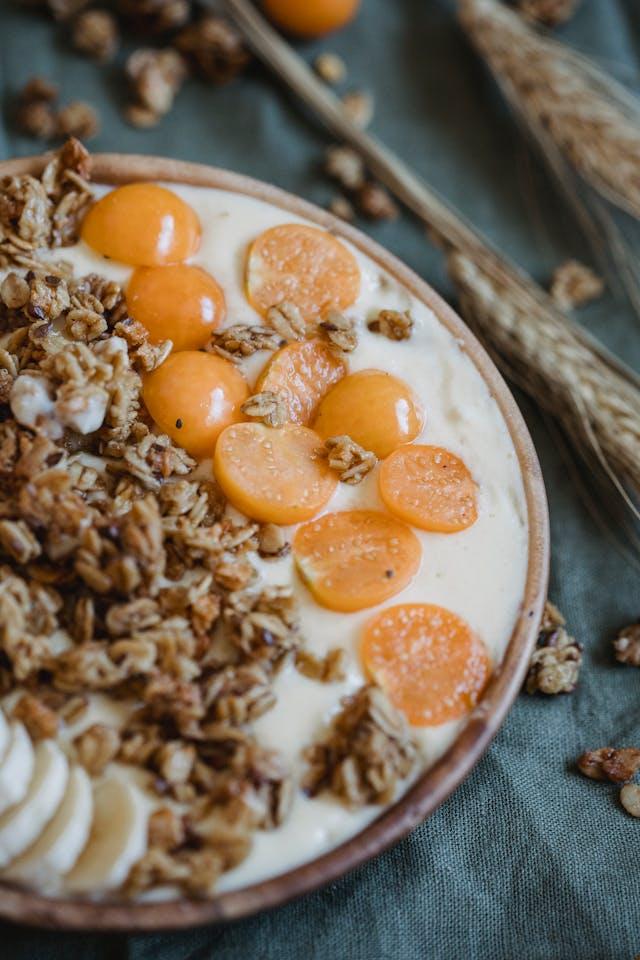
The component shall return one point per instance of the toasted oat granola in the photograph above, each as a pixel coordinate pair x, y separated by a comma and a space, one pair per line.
617, 765
394, 324
364, 754
626, 645
555, 664
349, 459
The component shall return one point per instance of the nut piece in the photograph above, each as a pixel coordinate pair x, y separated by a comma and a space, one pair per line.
272, 543
351, 460
39, 719
358, 106
376, 203
609, 763
345, 166
330, 67
551, 13
286, 319
630, 799
394, 324
155, 76
327, 669
341, 207
78, 119
627, 645
555, 664
96, 747
214, 48
339, 330
266, 406
95, 33
573, 285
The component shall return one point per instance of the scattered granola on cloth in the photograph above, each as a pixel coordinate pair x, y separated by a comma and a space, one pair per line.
556, 661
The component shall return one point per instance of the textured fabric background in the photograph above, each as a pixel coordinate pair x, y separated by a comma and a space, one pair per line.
527, 859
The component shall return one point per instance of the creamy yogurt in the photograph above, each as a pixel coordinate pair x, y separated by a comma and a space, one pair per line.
478, 573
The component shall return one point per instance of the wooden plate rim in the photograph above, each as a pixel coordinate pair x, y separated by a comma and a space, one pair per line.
439, 781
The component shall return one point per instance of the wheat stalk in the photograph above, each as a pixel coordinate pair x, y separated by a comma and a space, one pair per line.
563, 97
543, 354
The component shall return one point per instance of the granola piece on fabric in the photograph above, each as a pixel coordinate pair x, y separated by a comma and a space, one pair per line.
365, 753
214, 48
626, 645
617, 765
555, 664
574, 285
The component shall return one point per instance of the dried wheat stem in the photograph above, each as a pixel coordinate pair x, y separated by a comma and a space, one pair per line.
561, 373
561, 95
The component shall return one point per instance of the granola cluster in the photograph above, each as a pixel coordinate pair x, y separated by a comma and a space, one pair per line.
555, 664
122, 573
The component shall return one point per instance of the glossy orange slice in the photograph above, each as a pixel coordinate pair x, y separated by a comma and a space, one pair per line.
302, 373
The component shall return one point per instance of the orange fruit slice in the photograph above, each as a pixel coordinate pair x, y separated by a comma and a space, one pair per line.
142, 224
431, 664
302, 373
429, 487
178, 302
273, 475
304, 265
356, 558
193, 396
374, 408
311, 18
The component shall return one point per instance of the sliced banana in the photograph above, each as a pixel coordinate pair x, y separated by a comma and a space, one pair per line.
4, 735
16, 768
23, 823
118, 838
60, 844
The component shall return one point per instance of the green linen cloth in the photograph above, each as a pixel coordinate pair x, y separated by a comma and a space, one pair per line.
527, 859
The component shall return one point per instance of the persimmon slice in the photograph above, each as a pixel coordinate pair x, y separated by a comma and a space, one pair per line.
302, 373
428, 660
376, 409
356, 558
429, 487
273, 475
304, 265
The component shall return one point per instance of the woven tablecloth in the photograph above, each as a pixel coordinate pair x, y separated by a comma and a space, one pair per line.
527, 859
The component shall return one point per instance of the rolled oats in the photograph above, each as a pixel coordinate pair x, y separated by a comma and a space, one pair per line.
394, 324
39, 719
287, 321
272, 543
339, 330
268, 407
349, 459
574, 284
327, 669
239, 341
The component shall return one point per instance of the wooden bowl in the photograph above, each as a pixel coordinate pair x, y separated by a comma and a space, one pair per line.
440, 780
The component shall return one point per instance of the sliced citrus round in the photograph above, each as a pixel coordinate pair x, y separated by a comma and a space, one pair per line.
193, 396
428, 660
356, 558
429, 487
178, 302
142, 224
302, 373
376, 409
304, 265
273, 475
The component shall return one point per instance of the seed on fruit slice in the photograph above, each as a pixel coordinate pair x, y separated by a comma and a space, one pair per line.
303, 265
431, 664
429, 487
356, 558
374, 408
273, 475
302, 373
193, 396
142, 224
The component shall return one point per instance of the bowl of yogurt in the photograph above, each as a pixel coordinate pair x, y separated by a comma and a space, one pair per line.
282, 529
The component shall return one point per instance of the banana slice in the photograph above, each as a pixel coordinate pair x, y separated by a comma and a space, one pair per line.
60, 844
23, 823
4, 735
16, 767
118, 838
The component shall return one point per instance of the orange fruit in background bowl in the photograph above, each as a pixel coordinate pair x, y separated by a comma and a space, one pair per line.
310, 18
